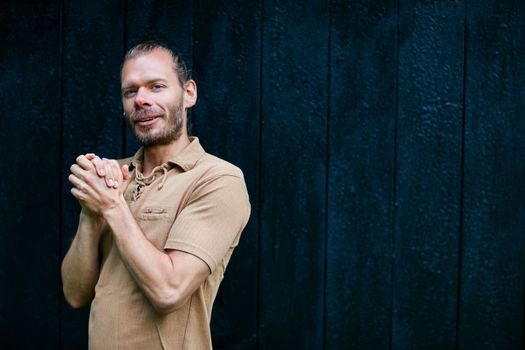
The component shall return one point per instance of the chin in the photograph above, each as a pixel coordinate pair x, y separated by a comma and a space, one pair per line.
156, 140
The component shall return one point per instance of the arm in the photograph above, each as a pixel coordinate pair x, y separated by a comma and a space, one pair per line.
167, 279
80, 267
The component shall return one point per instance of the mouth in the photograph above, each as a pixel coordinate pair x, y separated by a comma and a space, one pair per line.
147, 120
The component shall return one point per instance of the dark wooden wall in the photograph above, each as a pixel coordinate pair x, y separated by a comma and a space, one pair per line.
383, 144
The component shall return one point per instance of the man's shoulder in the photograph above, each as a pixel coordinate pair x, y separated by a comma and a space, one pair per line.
215, 173
214, 166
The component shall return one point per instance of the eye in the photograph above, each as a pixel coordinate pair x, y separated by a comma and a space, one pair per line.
129, 93
157, 86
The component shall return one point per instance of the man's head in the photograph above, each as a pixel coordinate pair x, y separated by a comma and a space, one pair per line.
157, 91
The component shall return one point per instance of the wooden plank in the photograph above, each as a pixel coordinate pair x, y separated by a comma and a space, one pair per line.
30, 136
491, 308
170, 22
293, 173
226, 119
361, 163
92, 122
427, 215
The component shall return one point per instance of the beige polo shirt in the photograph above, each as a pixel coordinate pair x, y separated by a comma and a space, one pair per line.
196, 203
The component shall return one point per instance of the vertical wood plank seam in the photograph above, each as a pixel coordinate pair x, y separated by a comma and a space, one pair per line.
60, 163
394, 180
190, 118
462, 178
327, 169
518, 11
193, 36
523, 306
259, 182
124, 50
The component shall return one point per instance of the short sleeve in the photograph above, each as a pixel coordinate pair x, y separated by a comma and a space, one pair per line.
213, 219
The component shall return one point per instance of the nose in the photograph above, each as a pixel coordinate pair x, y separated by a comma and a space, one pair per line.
141, 99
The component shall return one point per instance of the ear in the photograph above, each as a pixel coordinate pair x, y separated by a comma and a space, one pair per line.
190, 94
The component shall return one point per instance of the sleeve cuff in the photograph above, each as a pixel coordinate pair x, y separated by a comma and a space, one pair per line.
193, 250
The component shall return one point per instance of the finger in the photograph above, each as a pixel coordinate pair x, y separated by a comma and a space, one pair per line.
82, 174
109, 181
77, 193
77, 171
89, 178
76, 182
117, 176
80, 189
116, 172
80, 185
125, 172
85, 163
109, 177
99, 165
90, 156
107, 168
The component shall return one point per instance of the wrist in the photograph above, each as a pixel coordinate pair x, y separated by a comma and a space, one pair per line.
89, 218
90, 225
118, 218
115, 210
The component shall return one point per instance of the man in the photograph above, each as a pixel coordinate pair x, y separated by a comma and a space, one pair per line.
156, 231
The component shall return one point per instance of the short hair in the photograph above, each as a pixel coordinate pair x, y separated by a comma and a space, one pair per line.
145, 47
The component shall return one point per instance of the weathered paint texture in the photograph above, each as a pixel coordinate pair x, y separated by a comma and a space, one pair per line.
383, 145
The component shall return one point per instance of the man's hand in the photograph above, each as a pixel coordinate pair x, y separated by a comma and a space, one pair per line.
93, 191
81, 266
109, 169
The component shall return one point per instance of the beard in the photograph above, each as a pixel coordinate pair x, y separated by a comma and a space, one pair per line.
147, 136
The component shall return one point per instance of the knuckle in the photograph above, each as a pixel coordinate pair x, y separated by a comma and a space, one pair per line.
88, 178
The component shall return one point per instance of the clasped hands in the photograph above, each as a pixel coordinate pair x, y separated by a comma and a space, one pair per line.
98, 183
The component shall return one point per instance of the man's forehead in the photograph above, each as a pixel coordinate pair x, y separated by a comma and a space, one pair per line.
156, 64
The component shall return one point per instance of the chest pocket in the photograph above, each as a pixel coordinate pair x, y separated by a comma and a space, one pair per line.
156, 222
156, 213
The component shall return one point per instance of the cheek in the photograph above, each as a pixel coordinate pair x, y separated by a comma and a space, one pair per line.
127, 105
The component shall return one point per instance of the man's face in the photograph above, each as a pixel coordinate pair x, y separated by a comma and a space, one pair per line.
153, 99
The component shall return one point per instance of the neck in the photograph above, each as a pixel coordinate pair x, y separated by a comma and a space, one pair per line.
159, 154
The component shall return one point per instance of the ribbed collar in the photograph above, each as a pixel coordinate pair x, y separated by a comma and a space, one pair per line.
186, 159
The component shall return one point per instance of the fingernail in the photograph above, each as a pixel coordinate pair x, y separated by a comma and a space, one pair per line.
110, 182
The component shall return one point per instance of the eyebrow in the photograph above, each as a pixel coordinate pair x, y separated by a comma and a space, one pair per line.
150, 81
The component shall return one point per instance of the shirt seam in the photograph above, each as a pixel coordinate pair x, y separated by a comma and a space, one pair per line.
197, 251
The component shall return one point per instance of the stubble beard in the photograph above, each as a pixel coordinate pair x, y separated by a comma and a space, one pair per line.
171, 132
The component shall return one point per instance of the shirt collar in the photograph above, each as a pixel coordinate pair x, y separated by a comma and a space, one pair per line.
186, 159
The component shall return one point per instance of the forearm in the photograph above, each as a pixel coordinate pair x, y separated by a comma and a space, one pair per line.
152, 269
81, 265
